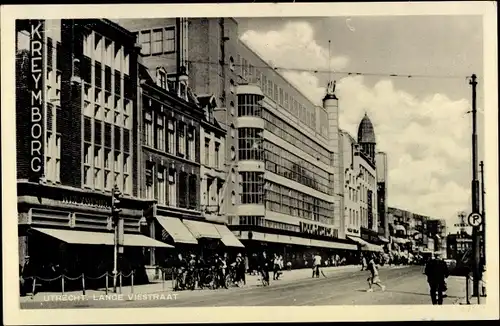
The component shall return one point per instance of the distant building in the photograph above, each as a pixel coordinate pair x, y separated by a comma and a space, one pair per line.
359, 176
457, 245
382, 182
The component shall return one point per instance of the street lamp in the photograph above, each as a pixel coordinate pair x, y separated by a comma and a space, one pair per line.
116, 197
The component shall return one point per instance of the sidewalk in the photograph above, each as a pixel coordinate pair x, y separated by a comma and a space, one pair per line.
457, 287
166, 287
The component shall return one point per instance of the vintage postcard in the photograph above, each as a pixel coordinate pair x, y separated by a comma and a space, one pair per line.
249, 162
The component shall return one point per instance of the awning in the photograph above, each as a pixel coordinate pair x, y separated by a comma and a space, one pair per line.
101, 238
400, 240
333, 245
202, 229
177, 230
228, 238
383, 239
366, 246
358, 240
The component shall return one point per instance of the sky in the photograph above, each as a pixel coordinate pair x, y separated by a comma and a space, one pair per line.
421, 123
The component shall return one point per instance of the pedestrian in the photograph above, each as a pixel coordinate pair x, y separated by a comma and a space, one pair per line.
437, 272
363, 262
316, 265
276, 267
374, 277
240, 269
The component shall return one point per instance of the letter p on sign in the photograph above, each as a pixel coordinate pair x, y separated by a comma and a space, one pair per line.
475, 219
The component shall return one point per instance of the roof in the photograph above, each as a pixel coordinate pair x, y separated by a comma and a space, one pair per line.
205, 99
366, 133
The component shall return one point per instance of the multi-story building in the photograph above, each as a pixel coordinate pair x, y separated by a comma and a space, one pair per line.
183, 148
382, 182
436, 229
360, 187
458, 245
77, 138
213, 176
281, 151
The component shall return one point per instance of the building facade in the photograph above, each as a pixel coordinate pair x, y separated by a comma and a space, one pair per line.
359, 174
77, 138
281, 159
382, 183
459, 246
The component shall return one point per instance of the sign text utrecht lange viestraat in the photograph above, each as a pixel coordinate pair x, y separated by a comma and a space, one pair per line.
37, 98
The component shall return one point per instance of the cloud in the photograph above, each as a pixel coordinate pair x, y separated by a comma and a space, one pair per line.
279, 47
426, 139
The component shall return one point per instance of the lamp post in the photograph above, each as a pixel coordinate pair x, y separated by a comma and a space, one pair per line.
475, 192
116, 197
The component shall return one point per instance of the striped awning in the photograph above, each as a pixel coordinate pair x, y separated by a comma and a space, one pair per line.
101, 238
176, 229
202, 229
228, 238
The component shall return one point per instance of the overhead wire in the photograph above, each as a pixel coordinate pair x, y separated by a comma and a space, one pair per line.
327, 71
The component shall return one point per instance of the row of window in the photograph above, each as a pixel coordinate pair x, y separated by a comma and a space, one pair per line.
252, 220
53, 137
211, 195
280, 161
290, 134
249, 105
281, 226
106, 134
157, 41
252, 187
289, 201
367, 176
103, 168
53, 157
249, 73
168, 135
215, 162
250, 144
103, 105
171, 188
106, 51
354, 217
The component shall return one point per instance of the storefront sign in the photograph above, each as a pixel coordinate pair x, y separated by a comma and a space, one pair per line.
36, 87
370, 212
86, 201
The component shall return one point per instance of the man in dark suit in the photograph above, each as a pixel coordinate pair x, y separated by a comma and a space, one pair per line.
437, 272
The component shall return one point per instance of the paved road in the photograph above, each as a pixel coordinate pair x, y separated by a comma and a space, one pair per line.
404, 286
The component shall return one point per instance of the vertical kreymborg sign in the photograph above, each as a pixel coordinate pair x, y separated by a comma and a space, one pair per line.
36, 91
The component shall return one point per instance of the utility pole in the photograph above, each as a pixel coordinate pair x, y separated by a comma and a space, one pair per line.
483, 213
475, 193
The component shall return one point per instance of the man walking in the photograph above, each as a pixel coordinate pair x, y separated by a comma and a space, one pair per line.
316, 265
374, 278
437, 272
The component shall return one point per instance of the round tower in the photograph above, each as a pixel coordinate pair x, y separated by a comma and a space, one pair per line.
366, 137
331, 106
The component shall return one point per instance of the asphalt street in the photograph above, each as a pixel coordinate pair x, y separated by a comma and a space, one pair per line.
403, 286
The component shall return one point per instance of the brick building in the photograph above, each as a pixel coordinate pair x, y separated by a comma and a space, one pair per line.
77, 137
